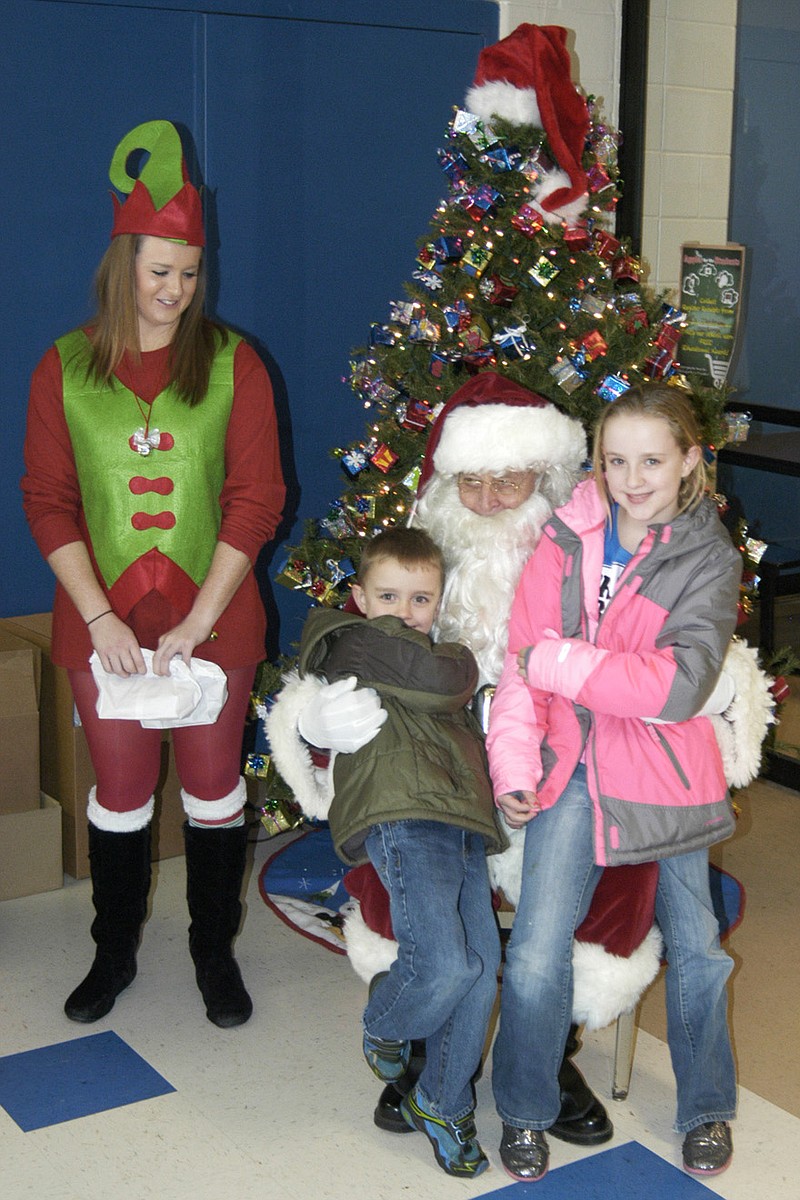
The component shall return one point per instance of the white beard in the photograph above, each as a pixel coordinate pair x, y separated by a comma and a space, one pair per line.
484, 557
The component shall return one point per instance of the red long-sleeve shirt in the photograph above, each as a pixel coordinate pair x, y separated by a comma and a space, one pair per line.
251, 499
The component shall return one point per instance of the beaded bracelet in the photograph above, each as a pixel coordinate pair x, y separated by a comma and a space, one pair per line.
99, 615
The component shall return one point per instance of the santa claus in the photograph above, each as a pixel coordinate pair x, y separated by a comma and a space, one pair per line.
499, 458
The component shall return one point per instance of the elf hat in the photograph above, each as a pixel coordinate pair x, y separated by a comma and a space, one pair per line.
493, 424
161, 201
525, 78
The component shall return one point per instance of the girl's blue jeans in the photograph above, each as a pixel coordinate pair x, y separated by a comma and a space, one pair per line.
559, 878
442, 986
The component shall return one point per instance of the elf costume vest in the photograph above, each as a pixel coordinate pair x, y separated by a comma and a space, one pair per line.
153, 517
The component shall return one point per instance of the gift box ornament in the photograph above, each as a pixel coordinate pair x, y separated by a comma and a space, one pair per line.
362, 511
755, 549
416, 415
422, 329
339, 569
427, 259
502, 158
428, 279
738, 426
475, 260
384, 458
381, 335
577, 237
354, 461
411, 480
514, 341
457, 315
594, 345
625, 267
453, 164
323, 591
673, 316
402, 311
568, 375
477, 335
605, 246
279, 816
498, 291
599, 179
635, 319
479, 132
476, 360
336, 523
536, 166
295, 574
447, 249
544, 271
527, 220
481, 201
612, 387
440, 360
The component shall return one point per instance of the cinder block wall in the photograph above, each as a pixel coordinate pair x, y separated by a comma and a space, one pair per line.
689, 109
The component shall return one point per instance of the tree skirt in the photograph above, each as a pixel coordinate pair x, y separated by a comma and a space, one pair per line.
302, 883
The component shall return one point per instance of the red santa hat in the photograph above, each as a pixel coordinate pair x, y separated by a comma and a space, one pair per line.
526, 79
494, 424
162, 202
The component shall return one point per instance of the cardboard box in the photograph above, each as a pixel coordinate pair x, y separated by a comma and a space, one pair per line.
66, 768
30, 851
20, 681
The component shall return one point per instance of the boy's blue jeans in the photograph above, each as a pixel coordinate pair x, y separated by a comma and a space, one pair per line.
558, 881
443, 984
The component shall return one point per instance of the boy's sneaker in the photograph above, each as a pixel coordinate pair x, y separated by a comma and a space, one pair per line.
388, 1060
455, 1143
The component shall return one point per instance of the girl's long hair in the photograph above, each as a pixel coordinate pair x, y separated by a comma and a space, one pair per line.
115, 326
672, 404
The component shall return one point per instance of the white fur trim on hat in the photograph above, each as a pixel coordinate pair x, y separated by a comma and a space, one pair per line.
551, 182
507, 437
502, 99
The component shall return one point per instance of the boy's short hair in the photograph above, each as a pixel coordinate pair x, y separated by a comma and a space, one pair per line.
410, 547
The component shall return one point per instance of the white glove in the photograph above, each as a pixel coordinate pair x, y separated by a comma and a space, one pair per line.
342, 716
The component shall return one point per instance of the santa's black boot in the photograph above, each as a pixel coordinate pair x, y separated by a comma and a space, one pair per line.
215, 864
582, 1120
387, 1112
120, 870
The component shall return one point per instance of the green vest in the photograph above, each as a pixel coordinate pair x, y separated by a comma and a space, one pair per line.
166, 501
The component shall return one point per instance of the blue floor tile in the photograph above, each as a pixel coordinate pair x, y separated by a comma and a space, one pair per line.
628, 1172
74, 1079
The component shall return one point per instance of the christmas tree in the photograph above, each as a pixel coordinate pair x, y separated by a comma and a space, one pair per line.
519, 271
507, 276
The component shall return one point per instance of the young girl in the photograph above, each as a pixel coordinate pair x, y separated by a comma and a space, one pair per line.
617, 634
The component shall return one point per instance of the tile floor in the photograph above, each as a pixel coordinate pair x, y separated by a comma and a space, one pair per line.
280, 1109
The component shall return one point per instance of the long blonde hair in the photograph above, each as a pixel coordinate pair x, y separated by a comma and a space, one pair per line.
672, 404
115, 327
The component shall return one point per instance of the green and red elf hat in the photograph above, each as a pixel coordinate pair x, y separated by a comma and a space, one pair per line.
162, 202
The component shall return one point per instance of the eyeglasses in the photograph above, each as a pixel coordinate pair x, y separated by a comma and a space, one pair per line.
503, 485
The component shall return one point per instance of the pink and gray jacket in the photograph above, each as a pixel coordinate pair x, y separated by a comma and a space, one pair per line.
595, 687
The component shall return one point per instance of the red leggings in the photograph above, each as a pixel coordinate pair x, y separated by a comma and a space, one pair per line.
127, 758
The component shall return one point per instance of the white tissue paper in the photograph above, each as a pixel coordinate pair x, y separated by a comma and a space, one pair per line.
191, 695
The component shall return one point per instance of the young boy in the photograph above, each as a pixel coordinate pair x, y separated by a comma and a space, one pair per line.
416, 802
